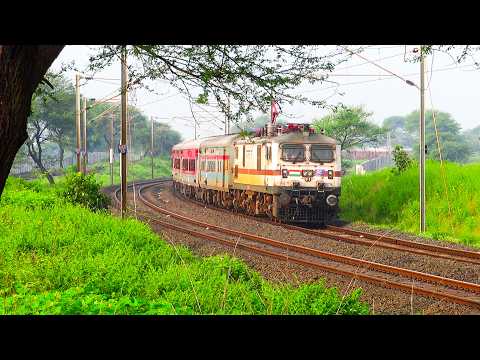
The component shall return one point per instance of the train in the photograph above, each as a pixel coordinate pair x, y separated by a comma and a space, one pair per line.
287, 172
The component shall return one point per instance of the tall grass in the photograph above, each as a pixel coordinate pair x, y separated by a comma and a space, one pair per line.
384, 198
57, 258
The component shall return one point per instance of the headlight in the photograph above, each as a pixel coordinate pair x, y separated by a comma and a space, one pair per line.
332, 200
284, 173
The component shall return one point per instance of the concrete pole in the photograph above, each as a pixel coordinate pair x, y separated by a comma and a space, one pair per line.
422, 141
85, 161
123, 140
112, 140
151, 145
77, 115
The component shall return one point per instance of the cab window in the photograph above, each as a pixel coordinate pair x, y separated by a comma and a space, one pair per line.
321, 153
293, 152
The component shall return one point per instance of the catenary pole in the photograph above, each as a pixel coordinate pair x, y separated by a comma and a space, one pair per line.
123, 141
422, 141
77, 120
112, 140
84, 168
151, 145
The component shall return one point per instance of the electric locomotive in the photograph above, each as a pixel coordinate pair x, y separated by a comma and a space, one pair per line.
286, 172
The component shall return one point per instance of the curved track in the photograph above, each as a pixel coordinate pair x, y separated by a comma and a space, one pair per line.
389, 276
370, 239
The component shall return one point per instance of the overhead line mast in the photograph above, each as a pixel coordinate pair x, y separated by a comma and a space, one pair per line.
77, 122
423, 149
123, 140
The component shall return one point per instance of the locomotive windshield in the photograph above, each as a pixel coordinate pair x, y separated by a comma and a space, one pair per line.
293, 152
321, 153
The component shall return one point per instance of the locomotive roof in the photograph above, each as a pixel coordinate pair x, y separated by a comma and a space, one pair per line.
295, 138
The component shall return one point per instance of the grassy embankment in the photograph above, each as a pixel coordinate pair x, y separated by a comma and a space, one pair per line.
59, 258
385, 199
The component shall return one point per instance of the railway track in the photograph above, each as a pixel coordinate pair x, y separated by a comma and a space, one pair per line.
388, 276
368, 239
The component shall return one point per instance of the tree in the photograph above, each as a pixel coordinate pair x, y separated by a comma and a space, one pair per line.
58, 113
37, 134
395, 125
454, 145
258, 122
251, 76
22, 68
394, 122
350, 127
473, 138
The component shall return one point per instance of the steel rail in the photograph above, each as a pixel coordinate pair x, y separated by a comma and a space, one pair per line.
315, 252
369, 239
392, 240
289, 257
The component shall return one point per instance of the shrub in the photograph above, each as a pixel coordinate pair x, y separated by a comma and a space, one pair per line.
84, 190
401, 159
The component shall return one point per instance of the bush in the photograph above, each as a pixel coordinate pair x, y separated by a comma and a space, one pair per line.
401, 159
85, 191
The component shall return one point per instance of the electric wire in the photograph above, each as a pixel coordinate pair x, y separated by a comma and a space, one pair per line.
377, 65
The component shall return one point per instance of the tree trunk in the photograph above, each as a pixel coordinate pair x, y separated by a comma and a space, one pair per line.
37, 159
21, 70
61, 155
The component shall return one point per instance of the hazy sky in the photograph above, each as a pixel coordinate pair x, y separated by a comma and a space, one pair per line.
453, 89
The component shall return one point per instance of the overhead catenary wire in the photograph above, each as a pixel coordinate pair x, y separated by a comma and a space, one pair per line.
379, 66
386, 77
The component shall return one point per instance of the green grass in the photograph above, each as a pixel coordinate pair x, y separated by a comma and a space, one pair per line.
138, 170
58, 258
389, 200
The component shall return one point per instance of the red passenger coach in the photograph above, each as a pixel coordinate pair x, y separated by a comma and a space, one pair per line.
184, 162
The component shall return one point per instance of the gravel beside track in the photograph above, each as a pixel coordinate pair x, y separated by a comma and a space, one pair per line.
381, 300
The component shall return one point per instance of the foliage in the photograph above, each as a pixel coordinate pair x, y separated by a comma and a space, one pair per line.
248, 76
385, 199
472, 136
395, 125
401, 159
350, 127
65, 259
453, 145
84, 190
258, 122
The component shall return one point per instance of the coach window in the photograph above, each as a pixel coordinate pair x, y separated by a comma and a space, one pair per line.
268, 153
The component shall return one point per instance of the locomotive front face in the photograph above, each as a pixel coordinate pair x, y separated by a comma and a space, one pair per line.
309, 185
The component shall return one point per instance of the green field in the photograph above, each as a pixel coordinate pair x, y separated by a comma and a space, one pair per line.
385, 199
138, 170
59, 258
